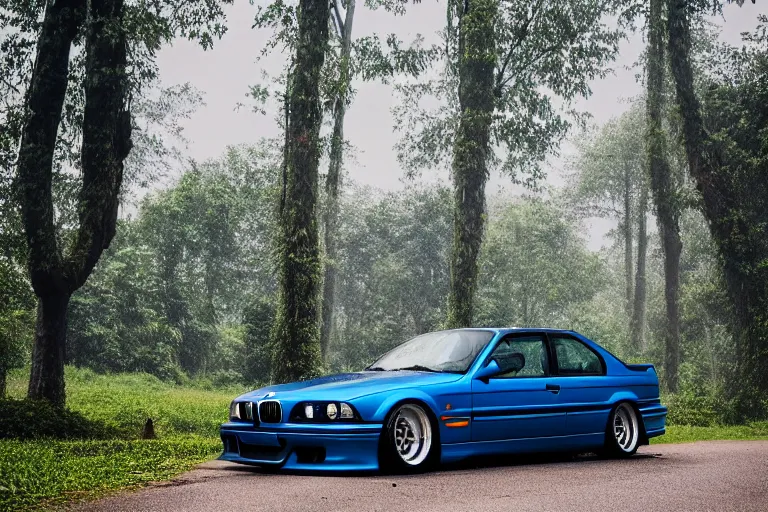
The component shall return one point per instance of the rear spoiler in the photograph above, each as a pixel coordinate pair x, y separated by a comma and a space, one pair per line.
643, 367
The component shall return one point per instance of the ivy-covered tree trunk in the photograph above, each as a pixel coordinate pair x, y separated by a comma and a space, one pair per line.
733, 214
296, 333
627, 228
333, 180
664, 193
106, 143
637, 325
477, 62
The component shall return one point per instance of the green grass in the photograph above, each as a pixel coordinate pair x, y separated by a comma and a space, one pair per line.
125, 401
687, 434
37, 474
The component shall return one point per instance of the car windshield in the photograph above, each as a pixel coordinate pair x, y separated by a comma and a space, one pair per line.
443, 351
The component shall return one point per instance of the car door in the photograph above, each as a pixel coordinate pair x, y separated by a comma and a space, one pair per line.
522, 404
585, 391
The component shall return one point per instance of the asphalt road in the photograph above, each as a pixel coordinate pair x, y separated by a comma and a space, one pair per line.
705, 476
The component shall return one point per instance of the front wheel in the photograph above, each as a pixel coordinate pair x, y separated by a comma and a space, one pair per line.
409, 440
622, 437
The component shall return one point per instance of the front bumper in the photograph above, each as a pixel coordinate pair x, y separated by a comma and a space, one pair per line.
347, 447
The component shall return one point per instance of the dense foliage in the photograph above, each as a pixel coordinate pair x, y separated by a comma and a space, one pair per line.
165, 309
160, 309
724, 127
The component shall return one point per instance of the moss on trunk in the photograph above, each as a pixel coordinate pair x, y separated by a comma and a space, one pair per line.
477, 61
296, 334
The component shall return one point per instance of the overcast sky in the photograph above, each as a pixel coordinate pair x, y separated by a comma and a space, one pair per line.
224, 73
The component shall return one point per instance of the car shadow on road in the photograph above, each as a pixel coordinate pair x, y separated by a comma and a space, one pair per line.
499, 461
487, 462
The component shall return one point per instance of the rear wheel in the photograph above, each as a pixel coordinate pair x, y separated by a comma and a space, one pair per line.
622, 437
409, 440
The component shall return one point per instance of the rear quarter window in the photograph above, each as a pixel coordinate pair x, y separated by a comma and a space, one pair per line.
575, 358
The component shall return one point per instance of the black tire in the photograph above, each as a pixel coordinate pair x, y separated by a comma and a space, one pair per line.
409, 440
624, 432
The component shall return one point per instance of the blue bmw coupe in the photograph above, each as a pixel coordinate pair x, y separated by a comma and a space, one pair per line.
448, 395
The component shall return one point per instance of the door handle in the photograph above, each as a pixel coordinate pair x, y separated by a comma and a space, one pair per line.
553, 388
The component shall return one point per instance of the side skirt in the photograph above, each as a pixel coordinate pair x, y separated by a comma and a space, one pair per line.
458, 451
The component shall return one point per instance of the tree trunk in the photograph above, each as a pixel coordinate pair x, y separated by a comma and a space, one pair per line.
48, 86
628, 237
477, 61
45, 99
637, 327
672, 249
106, 143
664, 192
46, 381
333, 182
106, 138
297, 343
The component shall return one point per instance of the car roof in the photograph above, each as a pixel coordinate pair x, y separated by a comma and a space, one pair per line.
507, 330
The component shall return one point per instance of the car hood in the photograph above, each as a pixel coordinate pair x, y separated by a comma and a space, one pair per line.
348, 386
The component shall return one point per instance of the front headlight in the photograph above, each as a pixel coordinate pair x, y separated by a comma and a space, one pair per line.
324, 412
346, 412
241, 411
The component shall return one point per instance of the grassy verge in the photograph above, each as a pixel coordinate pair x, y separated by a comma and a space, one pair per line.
687, 433
123, 402
37, 474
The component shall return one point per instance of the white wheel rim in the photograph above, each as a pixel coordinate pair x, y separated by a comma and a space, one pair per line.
625, 428
412, 434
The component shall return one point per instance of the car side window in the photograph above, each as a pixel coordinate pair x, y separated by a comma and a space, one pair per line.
533, 351
575, 358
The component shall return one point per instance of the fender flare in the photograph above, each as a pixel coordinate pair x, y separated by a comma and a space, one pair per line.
406, 395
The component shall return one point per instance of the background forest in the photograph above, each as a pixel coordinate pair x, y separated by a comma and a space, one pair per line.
266, 264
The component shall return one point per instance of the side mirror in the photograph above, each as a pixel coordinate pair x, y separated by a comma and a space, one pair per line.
488, 371
499, 365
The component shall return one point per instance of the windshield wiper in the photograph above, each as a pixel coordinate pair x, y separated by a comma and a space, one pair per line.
417, 368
